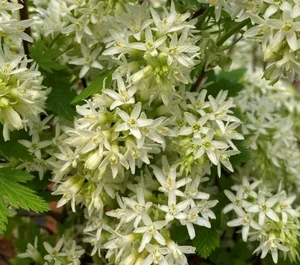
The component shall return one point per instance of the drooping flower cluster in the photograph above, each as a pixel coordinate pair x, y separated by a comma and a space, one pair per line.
65, 252
265, 217
155, 52
276, 24
12, 30
116, 147
269, 129
138, 232
22, 95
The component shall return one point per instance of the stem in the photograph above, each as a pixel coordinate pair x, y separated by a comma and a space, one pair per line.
54, 40
24, 16
198, 81
198, 13
203, 16
232, 31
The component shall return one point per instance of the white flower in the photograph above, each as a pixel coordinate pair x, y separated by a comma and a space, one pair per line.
181, 49
284, 207
286, 27
192, 217
138, 207
133, 123
173, 209
69, 189
54, 254
156, 255
32, 252
177, 253
79, 26
150, 46
263, 207
123, 97
237, 201
218, 5
246, 221
248, 189
208, 146
273, 244
149, 231
168, 180
170, 22
74, 252
35, 146
68, 156
196, 126
22, 95
198, 102
192, 191
6, 5
89, 60
119, 44
114, 158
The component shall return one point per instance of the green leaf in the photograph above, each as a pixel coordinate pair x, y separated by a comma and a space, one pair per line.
61, 94
95, 87
45, 57
224, 84
179, 234
206, 240
17, 194
244, 155
225, 80
12, 148
234, 75
3, 216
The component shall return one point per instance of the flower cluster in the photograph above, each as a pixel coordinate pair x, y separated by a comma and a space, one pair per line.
276, 24
12, 30
22, 95
138, 232
156, 52
140, 149
265, 217
65, 252
205, 130
269, 129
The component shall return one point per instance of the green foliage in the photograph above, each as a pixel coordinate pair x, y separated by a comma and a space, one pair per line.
17, 194
244, 155
45, 57
206, 240
41, 188
179, 234
13, 149
240, 254
59, 99
96, 86
234, 75
225, 80
57, 77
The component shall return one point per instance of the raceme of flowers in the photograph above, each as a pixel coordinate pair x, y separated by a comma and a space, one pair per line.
269, 129
22, 95
113, 150
276, 24
265, 217
65, 252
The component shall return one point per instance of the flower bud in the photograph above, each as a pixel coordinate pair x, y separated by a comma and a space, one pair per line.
93, 161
